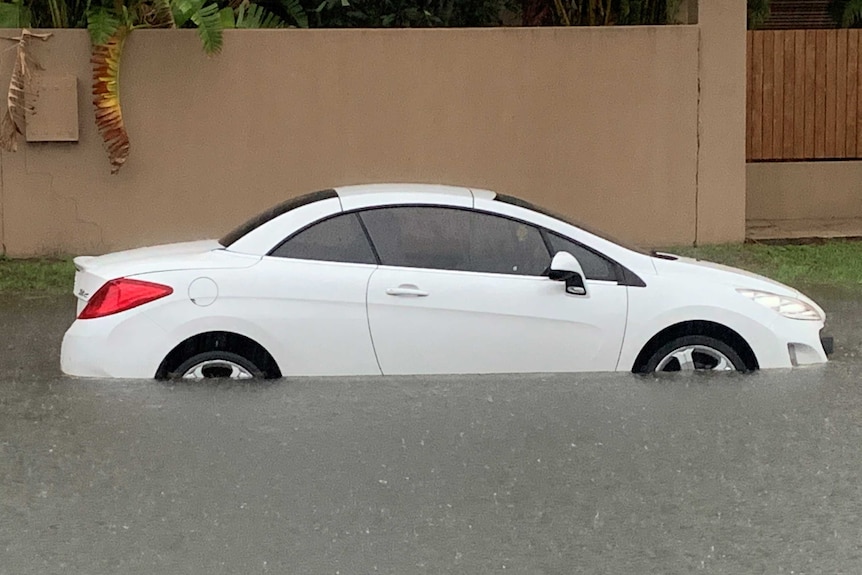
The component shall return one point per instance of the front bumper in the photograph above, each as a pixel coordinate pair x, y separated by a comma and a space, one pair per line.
789, 343
828, 344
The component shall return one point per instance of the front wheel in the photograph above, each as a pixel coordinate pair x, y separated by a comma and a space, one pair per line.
217, 364
695, 353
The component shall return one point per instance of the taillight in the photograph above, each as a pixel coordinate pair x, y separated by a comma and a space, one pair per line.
122, 294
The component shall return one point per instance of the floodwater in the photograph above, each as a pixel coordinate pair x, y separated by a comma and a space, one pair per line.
540, 474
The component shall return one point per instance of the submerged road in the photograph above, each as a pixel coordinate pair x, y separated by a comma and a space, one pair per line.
540, 474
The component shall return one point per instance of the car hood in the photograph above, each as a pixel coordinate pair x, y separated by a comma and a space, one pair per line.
704, 271
718, 273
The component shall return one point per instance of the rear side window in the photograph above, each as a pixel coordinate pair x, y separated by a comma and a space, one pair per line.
595, 266
338, 239
453, 239
274, 212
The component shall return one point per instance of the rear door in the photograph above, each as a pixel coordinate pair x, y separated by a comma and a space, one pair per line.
461, 291
310, 293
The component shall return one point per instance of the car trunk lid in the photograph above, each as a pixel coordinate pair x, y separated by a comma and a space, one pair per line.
93, 271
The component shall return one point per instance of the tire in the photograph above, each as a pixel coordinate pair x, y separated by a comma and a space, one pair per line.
695, 353
217, 364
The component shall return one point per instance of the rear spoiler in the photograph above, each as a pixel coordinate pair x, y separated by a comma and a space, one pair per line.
81, 262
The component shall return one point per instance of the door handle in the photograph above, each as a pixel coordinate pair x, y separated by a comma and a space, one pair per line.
407, 289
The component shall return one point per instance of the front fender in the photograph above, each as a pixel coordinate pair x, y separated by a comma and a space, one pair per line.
643, 326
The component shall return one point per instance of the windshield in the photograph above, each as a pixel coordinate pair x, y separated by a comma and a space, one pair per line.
274, 212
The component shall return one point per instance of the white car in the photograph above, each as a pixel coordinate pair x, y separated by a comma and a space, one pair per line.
421, 279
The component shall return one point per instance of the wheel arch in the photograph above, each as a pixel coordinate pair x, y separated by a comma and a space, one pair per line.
697, 327
215, 341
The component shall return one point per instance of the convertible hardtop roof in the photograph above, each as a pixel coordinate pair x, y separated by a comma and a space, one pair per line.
390, 192
345, 192
442, 189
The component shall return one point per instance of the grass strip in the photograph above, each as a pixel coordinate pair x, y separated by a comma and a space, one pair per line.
36, 276
836, 263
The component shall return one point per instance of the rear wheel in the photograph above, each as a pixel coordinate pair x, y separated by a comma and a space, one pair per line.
217, 365
695, 353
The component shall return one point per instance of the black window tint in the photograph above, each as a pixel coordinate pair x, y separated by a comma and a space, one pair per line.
534, 208
423, 237
595, 266
504, 246
453, 239
338, 239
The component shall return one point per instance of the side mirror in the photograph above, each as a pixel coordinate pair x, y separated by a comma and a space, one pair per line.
565, 268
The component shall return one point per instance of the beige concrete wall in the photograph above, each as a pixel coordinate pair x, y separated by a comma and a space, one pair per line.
599, 123
721, 130
804, 190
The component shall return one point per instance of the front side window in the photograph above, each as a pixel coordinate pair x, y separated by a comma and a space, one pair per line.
557, 216
337, 239
595, 266
455, 239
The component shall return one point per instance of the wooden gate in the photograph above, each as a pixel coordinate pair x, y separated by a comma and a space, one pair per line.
803, 96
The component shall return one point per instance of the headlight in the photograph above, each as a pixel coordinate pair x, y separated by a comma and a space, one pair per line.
789, 307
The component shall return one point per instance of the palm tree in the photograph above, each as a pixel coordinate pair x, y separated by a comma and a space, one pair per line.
109, 26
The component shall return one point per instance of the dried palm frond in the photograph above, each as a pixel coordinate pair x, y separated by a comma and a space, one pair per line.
106, 97
158, 14
20, 87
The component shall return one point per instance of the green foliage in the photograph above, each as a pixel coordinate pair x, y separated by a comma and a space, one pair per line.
184, 10
36, 276
102, 23
598, 12
209, 18
59, 16
758, 12
406, 13
14, 15
256, 16
295, 12
646, 12
209, 28
848, 13
57, 13
344, 13
163, 14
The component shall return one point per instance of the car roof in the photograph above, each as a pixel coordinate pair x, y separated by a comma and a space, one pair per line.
259, 235
437, 189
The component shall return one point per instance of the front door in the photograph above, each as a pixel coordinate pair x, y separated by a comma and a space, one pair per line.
464, 292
